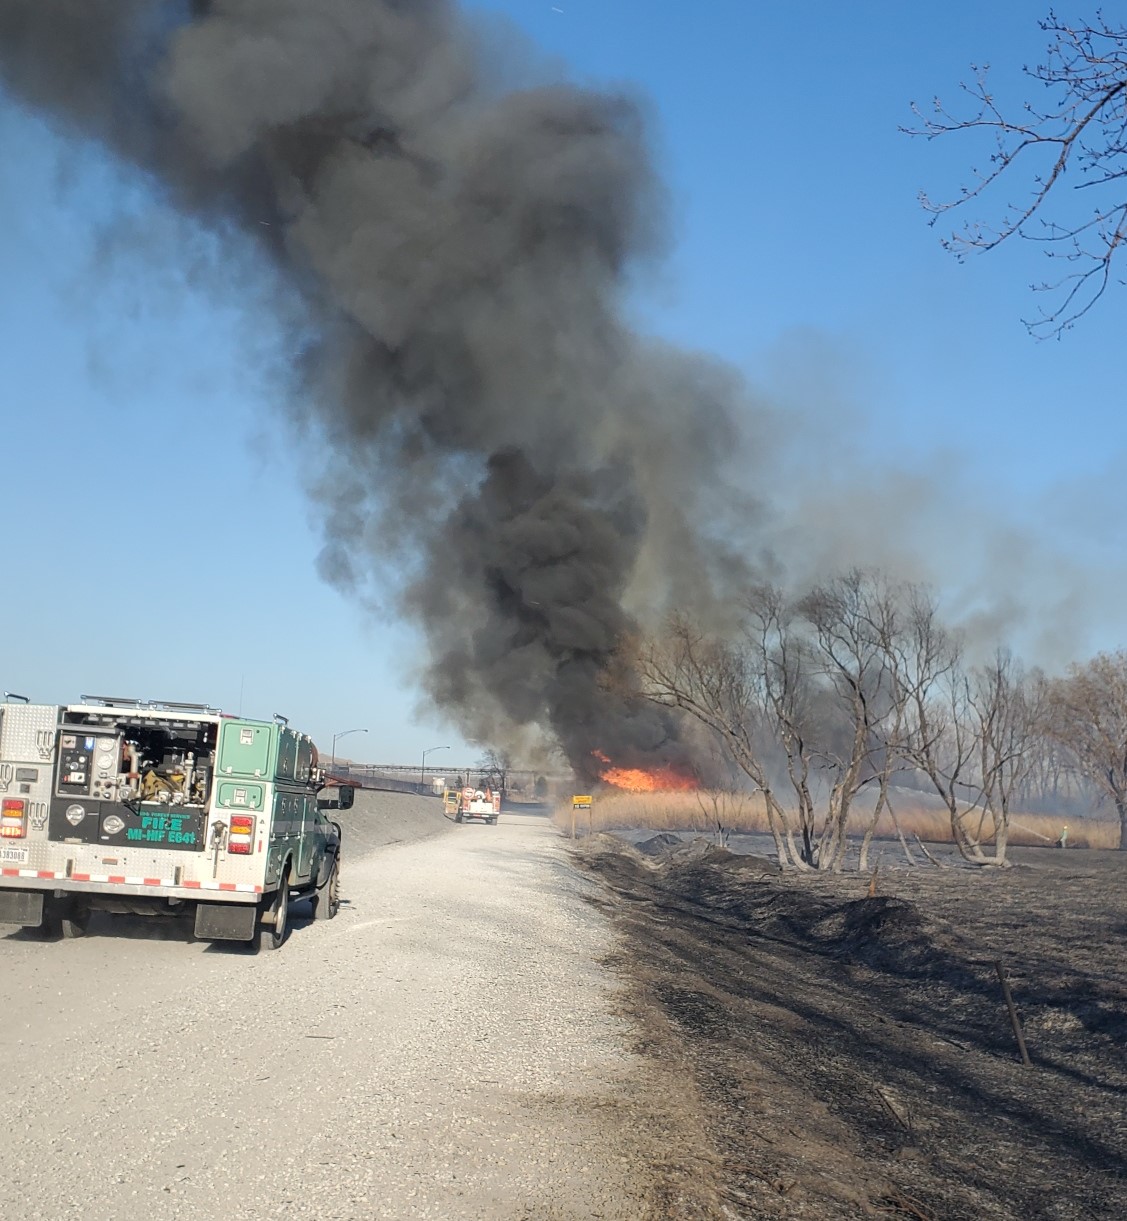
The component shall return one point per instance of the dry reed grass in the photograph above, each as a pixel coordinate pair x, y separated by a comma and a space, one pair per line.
747, 814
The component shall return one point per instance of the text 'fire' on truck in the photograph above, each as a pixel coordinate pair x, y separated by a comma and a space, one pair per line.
156, 808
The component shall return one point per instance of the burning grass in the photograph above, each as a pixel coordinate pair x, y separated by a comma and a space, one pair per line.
649, 780
745, 813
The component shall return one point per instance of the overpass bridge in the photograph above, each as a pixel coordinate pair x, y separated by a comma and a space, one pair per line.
410, 778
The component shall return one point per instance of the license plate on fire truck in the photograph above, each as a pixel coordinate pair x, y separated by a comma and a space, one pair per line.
11, 855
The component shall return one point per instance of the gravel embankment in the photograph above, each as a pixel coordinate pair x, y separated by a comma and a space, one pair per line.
378, 820
445, 1048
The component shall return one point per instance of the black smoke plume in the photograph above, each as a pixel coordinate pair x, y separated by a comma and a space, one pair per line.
462, 250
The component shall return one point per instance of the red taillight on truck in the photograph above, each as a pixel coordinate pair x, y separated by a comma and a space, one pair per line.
13, 818
240, 835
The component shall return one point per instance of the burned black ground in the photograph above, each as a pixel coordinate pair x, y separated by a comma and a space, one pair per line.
853, 1055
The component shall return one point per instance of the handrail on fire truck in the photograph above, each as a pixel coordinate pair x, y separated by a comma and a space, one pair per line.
118, 701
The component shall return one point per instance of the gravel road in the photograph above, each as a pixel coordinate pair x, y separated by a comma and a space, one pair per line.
447, 1047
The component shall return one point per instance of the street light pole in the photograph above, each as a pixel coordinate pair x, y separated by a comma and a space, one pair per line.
343, 734
423, 765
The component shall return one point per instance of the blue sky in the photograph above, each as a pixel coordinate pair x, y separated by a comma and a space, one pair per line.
140, 411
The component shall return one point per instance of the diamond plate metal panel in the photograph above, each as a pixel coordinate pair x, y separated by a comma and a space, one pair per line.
27, 732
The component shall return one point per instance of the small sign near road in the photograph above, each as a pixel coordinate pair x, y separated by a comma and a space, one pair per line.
581, 802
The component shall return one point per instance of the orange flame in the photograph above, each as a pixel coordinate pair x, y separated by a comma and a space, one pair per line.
639, 780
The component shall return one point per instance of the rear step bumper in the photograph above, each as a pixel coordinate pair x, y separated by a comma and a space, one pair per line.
127, 884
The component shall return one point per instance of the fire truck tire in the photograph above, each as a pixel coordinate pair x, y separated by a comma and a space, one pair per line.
75, 922
326, 904
272, 936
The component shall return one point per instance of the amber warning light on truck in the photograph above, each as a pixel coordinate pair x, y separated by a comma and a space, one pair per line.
240, 835
13, 818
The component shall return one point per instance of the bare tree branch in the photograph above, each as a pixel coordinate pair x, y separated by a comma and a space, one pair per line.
1083, 131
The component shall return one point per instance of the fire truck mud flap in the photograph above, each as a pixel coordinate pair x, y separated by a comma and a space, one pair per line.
225, 921
21, 907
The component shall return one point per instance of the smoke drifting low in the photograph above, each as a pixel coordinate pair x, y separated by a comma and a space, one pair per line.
462, 253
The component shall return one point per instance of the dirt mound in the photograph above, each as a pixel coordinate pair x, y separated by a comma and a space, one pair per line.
889, 934
703, 851
892, 935
744, 862
881, 921
672, 851
699, 849
659, 845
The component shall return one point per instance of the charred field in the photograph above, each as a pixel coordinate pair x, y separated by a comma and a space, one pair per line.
852, 1055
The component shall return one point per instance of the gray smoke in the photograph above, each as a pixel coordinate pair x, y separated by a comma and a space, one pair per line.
498, 430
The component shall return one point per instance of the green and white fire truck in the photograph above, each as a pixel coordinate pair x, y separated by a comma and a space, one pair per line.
156, 808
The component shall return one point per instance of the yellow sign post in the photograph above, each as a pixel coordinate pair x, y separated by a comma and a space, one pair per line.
582, 802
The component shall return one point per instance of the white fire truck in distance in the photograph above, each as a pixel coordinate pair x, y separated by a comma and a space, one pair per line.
155, 808
472, 805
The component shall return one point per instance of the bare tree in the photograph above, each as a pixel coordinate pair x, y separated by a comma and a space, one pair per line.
1008, 708
842, 689
889, 765
1088, 716
784, 665
804, 686
854, 619
889, 754
717, 806
939, 736
494, 767
1054, 780
718, 684
1077, 136
720, 802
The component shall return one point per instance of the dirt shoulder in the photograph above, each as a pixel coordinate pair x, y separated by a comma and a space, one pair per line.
853, 1056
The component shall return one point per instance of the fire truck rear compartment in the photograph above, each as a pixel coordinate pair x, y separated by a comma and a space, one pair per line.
132, 781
